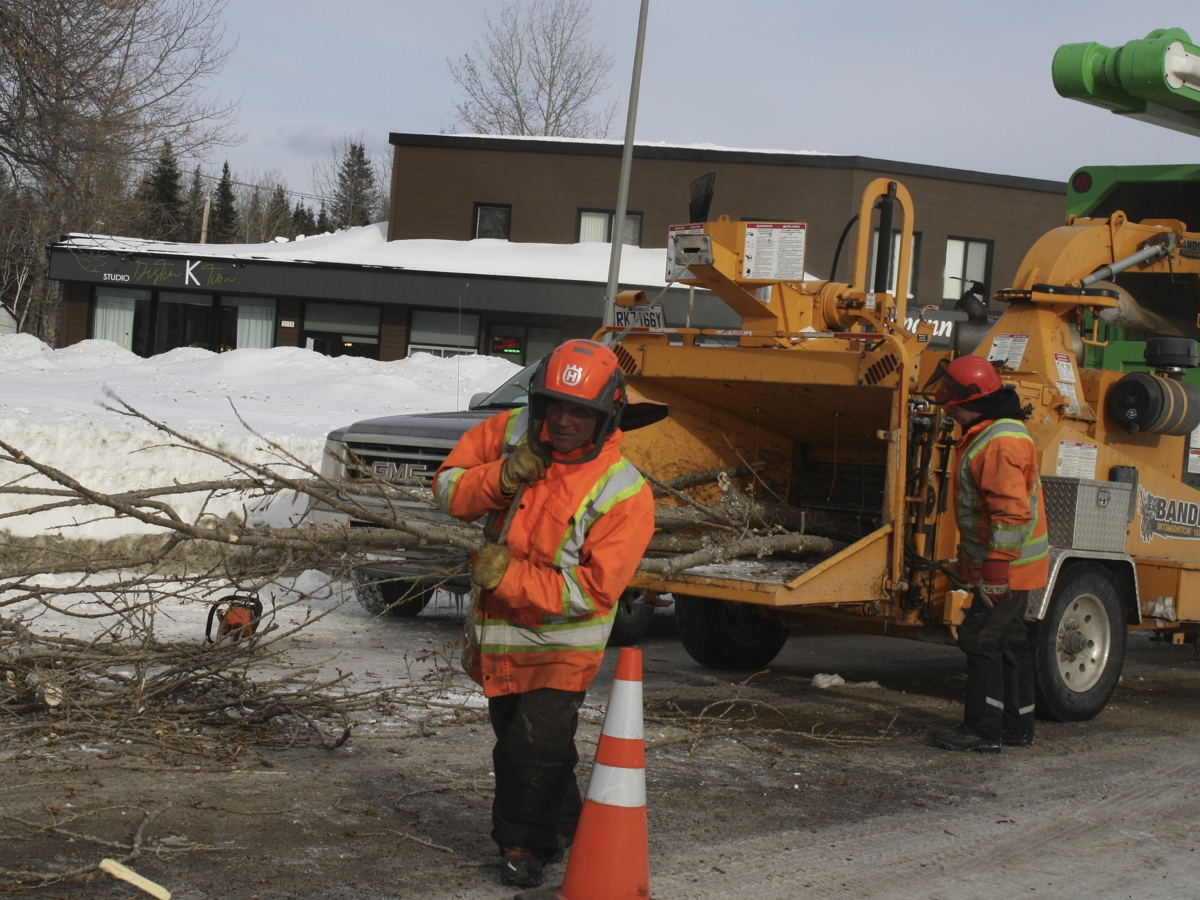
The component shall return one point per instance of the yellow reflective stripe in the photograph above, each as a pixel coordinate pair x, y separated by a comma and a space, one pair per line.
444, 486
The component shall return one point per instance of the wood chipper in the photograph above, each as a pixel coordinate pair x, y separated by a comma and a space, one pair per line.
820, 395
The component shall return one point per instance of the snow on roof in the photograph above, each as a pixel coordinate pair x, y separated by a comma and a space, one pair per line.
369, 246
615, 143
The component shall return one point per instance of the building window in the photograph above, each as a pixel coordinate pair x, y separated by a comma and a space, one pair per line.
492, 221
247, 322
967, 259
122, 315
341, 329
443, 333
595, 226
184, 320
521, 344
914, 259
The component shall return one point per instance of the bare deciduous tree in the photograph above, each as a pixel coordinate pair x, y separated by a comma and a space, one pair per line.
537, 73
89, 89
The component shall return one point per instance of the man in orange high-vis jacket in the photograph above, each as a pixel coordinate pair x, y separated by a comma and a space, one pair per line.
1004, 551
550, 594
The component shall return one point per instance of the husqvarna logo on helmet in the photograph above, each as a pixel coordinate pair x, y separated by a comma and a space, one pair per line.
572, 375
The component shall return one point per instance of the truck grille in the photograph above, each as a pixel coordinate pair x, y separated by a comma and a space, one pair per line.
399, 463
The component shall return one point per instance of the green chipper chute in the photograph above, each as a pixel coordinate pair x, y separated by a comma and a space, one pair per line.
1156, 79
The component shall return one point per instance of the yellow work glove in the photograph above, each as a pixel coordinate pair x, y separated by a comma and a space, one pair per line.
490, 566
521, 466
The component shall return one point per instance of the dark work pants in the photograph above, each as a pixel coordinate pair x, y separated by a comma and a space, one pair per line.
999, 667
537, 797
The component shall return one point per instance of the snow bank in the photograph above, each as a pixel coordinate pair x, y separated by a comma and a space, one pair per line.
53, 408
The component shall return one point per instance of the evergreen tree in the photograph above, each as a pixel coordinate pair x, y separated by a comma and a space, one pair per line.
223, 219
303, 221
323, 222
253, 229
277, 218
161, 199
194, 208
357, 194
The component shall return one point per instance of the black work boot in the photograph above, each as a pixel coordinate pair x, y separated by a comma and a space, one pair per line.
965, 738
564, 844
520, 867
1017, 738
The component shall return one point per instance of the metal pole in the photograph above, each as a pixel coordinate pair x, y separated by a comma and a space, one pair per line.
618, 229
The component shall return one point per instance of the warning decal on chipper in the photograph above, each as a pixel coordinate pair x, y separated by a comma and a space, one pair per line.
1166, 518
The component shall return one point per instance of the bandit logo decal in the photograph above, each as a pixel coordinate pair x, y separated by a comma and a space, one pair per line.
1165, 518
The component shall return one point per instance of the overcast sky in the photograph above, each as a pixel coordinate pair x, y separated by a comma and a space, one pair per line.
963, 83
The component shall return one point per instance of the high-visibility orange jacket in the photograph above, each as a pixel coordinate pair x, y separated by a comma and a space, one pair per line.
577, 539
1001, 513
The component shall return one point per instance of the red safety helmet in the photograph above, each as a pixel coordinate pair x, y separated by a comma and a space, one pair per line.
581, 372
967, 378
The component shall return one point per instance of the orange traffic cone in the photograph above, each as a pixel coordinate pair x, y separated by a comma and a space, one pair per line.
610, 859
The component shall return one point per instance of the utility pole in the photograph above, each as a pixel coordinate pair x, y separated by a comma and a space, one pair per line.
204, 221
618, 226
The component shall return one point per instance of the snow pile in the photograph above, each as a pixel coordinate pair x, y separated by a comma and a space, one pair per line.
53, 409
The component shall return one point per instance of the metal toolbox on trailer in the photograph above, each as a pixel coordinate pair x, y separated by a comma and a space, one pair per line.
1086, 514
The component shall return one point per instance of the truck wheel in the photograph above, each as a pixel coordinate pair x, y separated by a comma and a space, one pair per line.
1079, 647
724, 635
631, 622
403, 599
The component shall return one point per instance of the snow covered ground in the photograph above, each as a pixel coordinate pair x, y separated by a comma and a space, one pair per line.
52, 407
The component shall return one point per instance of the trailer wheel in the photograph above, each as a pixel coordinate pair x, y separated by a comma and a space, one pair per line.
723, 635
631, 622
1079, 647
402, 599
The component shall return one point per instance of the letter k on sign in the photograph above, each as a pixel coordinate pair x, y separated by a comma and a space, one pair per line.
187, 275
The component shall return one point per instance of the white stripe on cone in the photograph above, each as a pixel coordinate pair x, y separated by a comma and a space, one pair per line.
623, 718
614, 786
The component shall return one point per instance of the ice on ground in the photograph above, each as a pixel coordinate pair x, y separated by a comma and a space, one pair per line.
53, 408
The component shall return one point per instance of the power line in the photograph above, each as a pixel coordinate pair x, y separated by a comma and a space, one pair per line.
288, 191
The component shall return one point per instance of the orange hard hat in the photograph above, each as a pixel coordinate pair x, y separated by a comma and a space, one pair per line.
585, 373
966, 378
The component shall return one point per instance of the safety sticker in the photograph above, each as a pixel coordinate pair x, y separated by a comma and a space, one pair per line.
1076, 459
675, 272
1066, 367
1067, 389
774, 251
1193, 465
1008, 349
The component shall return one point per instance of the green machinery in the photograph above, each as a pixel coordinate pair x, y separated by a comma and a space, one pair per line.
1155, 80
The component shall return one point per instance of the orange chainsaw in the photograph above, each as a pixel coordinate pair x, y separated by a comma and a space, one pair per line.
236, 614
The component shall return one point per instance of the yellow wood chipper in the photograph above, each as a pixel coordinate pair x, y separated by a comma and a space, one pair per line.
820, 394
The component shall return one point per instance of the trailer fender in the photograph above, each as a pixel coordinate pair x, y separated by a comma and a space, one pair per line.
1119, 564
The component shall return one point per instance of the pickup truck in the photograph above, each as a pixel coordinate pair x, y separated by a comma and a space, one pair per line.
408, 449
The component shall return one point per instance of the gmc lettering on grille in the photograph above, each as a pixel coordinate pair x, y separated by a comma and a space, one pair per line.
386, 470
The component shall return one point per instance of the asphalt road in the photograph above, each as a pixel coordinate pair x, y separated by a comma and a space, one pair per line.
820, 793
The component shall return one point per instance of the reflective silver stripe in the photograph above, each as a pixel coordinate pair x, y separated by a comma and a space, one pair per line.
1025, 710
443, 487
1006, 536
623, 718
516, 432
995, 703
576, 602
621, 478
497, 636
615, 786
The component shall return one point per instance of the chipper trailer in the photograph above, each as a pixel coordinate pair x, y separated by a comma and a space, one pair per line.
821, 393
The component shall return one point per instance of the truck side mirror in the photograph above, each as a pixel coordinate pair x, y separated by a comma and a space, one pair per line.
478, 398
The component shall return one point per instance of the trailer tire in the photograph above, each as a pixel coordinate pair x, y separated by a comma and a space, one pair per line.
1079, 647
723, 635
631, 622
400, 599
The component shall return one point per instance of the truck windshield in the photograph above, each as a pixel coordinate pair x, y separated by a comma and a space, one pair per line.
514, 392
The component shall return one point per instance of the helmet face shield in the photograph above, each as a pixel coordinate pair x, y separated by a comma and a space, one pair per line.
966, 378
582, 373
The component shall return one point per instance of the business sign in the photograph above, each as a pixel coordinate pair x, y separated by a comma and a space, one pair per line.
509, 345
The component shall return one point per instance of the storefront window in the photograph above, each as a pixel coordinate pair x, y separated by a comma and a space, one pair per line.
443, 333
342, 329
117, 315
522, 344
247, 322
184, 320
